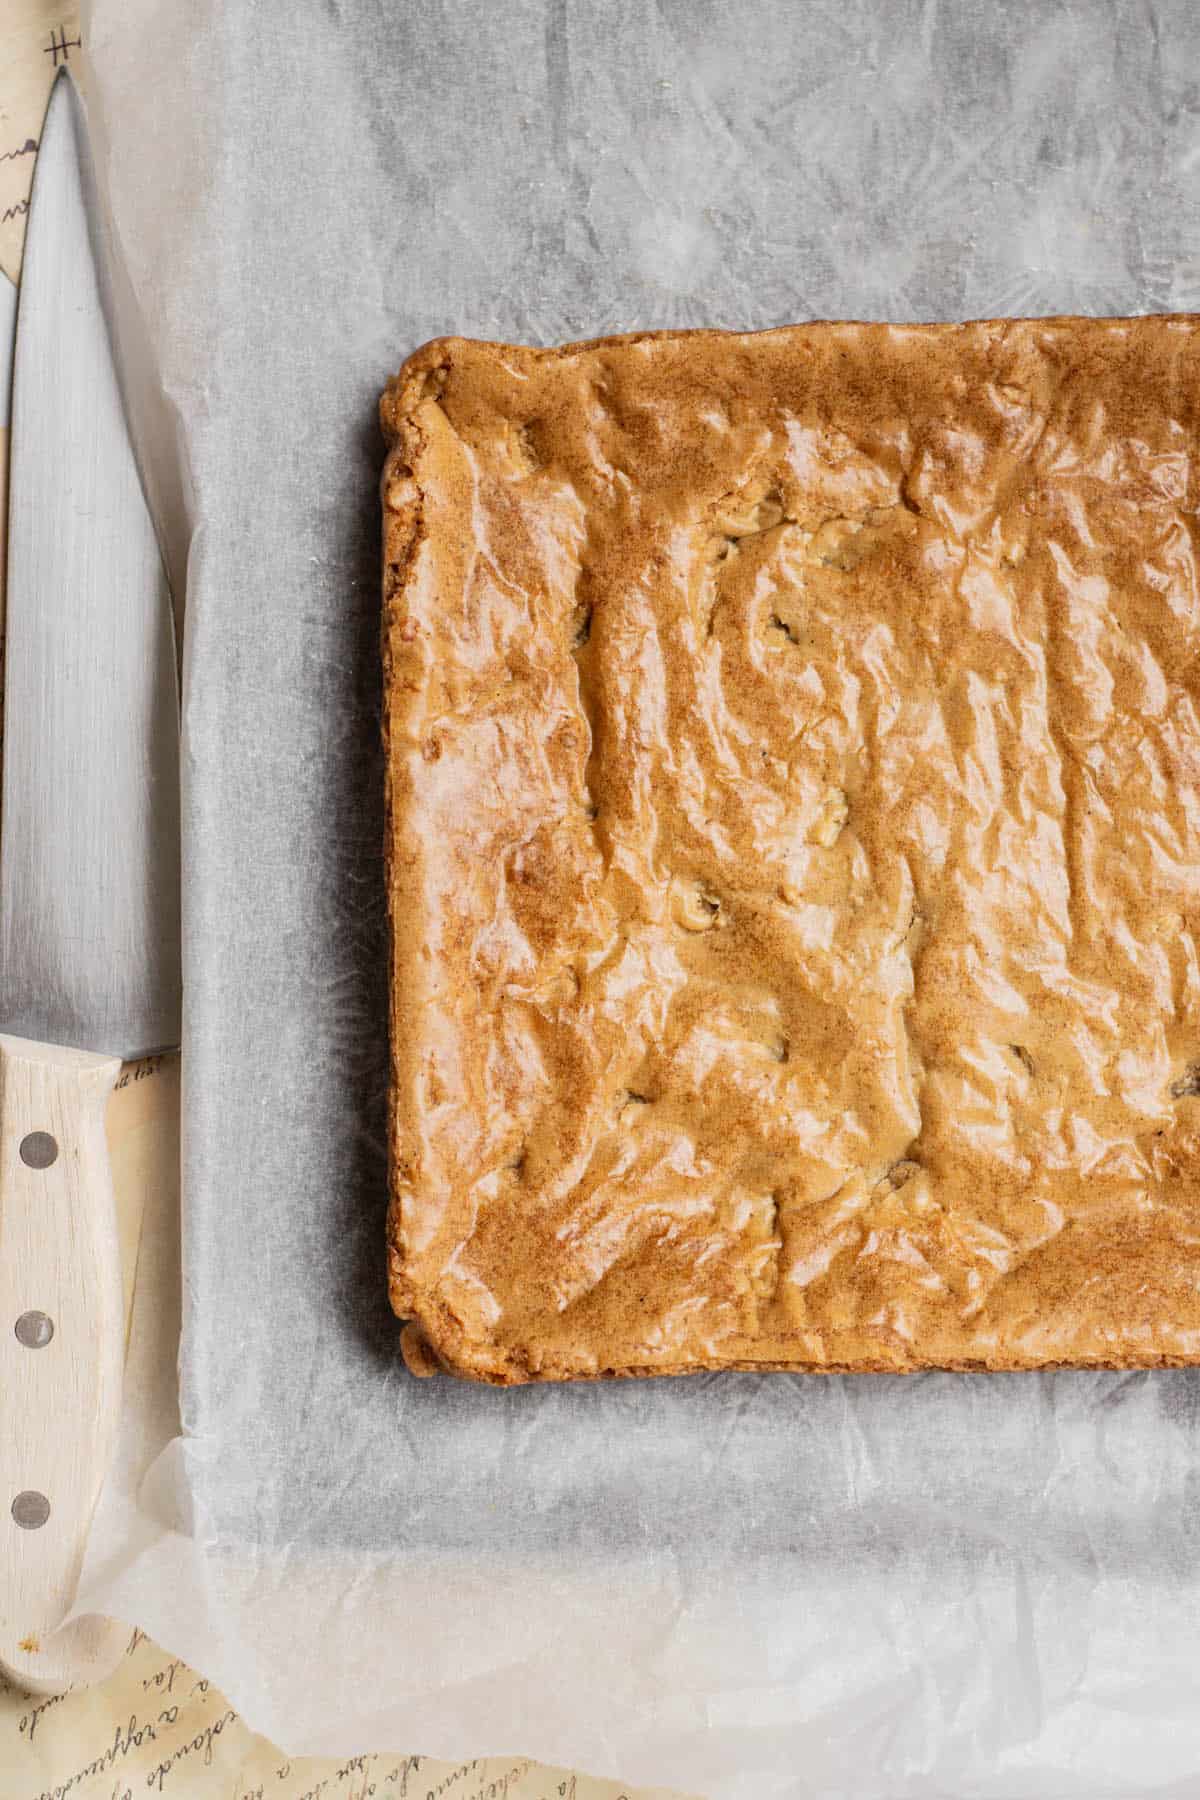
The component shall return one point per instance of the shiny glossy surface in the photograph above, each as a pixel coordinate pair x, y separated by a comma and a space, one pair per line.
794, 768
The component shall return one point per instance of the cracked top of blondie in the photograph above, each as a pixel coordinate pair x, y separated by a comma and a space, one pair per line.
793, 766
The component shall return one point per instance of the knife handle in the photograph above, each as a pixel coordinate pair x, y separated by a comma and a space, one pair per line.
62, 1343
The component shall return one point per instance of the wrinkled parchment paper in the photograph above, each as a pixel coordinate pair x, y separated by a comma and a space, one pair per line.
748, 1586
157, 1727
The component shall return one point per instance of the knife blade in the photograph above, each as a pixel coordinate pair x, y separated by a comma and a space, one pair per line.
8, 325
89, 902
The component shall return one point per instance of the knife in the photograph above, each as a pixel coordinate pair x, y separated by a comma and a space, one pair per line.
89, 904
8, 324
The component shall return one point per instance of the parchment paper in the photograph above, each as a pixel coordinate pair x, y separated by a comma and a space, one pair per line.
157, 1727
749, 1586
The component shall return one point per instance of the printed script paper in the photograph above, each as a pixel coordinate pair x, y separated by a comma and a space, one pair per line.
156, 1727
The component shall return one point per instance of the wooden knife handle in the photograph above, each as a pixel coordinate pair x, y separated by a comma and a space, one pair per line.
62, 1343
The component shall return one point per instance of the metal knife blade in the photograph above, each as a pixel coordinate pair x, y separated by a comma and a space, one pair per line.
8, 325
89, 907
89, 834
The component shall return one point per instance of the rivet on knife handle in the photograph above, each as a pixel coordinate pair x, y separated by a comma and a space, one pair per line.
59, 1390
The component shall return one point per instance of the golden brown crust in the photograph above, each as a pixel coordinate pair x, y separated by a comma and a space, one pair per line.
793, 799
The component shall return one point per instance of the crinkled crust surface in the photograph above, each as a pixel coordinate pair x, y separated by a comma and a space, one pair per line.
793, 761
